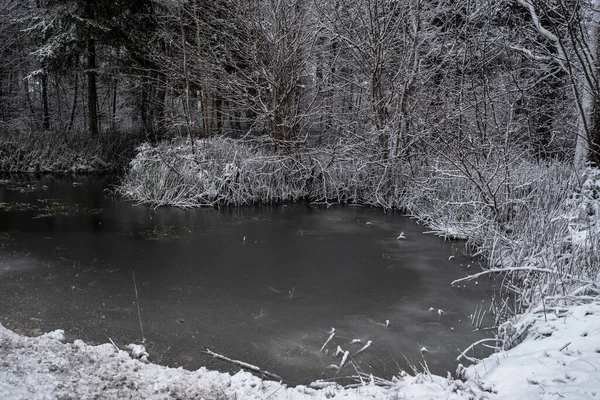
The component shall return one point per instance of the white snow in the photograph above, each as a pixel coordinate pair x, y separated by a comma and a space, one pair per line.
138, 351
558, 359
58, 334
44, 368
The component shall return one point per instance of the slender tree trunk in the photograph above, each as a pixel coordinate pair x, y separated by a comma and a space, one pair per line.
30, 104
45, 110
159, 102
60, 124
206, 114
113, 117
92, 88
219, 114
146, 124
74, 107
594, 136
187, 104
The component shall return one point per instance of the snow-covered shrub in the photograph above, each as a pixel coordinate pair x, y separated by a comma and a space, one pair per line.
546, 246
233, 172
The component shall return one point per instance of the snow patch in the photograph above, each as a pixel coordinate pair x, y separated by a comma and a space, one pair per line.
44, 368
138, 351
58, 334
560, 358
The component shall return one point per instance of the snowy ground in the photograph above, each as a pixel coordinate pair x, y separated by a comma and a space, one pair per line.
45, 368
559, 359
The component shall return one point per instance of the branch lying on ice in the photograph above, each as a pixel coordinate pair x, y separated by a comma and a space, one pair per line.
510, 269
473, 360
244, 365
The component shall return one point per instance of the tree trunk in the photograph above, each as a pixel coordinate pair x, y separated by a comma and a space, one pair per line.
58, 103
594, 136
206, 114
113, 117
74, 108
92, 100
46, 112
144, 109
159, 102
588, 124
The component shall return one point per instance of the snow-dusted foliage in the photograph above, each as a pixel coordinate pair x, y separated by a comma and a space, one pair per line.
230, 172
65, 153
539, 233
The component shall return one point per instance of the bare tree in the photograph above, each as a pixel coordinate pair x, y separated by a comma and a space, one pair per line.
567, 35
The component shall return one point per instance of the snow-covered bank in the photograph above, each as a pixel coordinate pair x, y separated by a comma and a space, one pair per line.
559, 359
45, 368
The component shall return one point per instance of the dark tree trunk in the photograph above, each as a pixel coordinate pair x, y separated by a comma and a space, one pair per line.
60, 123
46, 112
159, 102
92, 88
74, 108
594, 136
113, 117
146, 123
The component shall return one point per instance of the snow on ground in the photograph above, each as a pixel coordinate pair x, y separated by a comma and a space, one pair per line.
558, 359
46, 368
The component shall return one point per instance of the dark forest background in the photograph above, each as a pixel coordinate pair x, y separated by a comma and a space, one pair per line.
406, 78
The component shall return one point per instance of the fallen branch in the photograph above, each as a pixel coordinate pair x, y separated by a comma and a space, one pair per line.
464, 353
504, 270
244, 365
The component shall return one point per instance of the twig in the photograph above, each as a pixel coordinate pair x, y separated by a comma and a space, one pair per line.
463, 354
244, 365
137, 303
504, 270
114, 345
564, 347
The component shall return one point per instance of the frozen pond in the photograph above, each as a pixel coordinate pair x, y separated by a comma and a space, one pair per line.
260, 284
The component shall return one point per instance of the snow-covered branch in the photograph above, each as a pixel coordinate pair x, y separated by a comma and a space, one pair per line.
559, 57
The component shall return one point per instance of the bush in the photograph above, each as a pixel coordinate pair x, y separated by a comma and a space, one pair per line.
229, 172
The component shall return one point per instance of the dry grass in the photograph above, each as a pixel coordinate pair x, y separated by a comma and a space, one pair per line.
66, 153
228, 172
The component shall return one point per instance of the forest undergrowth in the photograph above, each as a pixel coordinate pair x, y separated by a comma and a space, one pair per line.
61, 152
535, 225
